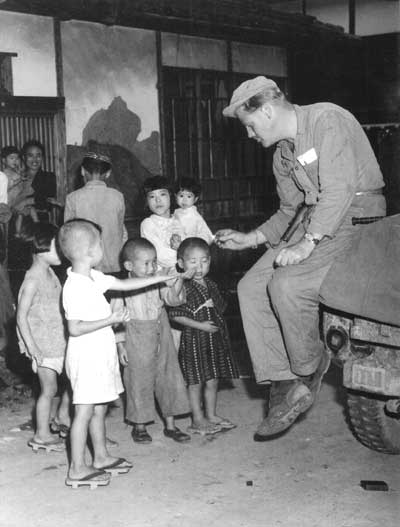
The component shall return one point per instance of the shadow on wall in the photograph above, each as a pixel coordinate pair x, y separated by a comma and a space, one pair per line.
114, 132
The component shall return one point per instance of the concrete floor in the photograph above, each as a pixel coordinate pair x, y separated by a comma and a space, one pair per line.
309, 477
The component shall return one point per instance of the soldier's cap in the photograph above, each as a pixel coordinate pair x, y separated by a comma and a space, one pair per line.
246, 91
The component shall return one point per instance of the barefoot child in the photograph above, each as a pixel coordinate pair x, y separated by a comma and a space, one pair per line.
147, 351
160, 228
92, 360
41, 332
204, 353
187, 193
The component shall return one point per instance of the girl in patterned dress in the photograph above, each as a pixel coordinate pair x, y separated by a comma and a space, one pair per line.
41, 332
204, 353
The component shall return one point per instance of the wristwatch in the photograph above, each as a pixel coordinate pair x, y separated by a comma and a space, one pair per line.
310, 238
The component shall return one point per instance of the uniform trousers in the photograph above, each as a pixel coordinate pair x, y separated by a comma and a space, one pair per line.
280, 306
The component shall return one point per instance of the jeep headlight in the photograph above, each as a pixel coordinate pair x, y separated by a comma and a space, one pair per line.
336, 338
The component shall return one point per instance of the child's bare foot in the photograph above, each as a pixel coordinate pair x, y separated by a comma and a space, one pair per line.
115, 465
44, 438
85, 472
203, 427
223, 422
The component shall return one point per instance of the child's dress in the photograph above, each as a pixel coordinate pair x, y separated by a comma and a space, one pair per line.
92, 360
46, 322
202, 355
193, 224
158, 230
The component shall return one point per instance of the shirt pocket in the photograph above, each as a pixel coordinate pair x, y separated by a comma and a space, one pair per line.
304, 177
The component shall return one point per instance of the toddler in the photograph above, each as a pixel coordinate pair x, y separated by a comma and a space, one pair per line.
187, 193
148, 353
41, 332
204, 353
92, 360
103, 205
15, 190
160, 228
10, 175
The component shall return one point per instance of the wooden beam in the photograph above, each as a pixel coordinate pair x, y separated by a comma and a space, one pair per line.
58, 57
160, 88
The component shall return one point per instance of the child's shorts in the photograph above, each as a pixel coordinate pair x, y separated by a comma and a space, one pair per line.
52, 363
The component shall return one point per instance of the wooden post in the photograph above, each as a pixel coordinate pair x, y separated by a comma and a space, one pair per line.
60, 141
58, 57
160, 89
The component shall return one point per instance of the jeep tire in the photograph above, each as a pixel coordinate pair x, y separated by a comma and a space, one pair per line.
371, 424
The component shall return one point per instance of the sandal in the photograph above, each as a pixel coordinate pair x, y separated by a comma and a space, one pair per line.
111, 443
55, 445
207, 429
99, 478
119, 466
23, 427
224, 423
59, 428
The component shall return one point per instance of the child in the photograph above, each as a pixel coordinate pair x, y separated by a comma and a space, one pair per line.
187, 192
204, 353
161, 229
15, 190
103, 205
41, 332
92, 360
10, 176
148, 354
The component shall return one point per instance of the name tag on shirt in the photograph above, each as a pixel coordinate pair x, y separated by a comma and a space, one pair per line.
308, 157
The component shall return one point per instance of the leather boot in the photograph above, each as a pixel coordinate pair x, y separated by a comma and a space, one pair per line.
288, 399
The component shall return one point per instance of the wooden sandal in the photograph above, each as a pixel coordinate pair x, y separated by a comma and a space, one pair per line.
99, 478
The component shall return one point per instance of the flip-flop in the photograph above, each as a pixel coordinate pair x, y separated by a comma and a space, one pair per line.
111, 443
59, 428
55, 445
93, 480
225, 424
203, 430
23, 427
119, 466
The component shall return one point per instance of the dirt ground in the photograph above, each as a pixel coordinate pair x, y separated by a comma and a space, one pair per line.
309, 477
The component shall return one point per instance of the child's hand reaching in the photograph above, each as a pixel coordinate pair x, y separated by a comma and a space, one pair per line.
208, 326
175, 241
119, 315
173, 279
187, 275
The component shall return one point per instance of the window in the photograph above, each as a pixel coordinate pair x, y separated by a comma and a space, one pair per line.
235, 173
